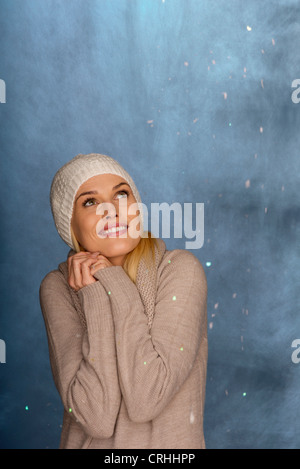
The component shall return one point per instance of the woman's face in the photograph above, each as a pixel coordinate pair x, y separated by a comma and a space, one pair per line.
107, 203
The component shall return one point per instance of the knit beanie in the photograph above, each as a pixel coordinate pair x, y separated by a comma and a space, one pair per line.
71, 176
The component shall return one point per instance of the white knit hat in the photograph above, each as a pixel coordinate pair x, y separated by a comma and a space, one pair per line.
71, 176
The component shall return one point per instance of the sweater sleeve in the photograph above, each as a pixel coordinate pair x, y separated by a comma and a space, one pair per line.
83, 361
153, 365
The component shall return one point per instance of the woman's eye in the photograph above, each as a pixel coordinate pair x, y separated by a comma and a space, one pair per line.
86, 204
124, 192
89, 202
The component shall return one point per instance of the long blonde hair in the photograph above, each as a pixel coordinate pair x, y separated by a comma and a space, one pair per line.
145, 249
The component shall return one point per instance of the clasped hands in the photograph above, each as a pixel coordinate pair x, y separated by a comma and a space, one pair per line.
82, 266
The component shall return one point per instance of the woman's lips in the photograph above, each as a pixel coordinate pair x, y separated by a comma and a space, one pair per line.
114, 232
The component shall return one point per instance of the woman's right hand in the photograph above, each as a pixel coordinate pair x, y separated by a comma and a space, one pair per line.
79, 269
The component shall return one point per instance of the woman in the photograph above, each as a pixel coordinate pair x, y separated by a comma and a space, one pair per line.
125, 319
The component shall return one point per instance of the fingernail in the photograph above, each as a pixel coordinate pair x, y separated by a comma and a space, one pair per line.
95, 254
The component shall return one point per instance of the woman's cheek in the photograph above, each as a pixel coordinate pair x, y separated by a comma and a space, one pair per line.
134, 228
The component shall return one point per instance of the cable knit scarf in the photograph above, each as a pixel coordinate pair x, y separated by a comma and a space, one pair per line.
146, 283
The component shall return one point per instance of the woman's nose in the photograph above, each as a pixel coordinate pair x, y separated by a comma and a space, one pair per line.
107, 210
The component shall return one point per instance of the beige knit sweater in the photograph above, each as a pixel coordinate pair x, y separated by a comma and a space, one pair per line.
129, 361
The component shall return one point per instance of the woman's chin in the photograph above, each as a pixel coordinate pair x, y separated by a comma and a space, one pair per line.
116, 246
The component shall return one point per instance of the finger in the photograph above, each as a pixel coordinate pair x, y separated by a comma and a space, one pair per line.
70, 274
77, 274
96, 267
100, 264
87, 278
75, 269
79, 254
71, 278
76, 257
102, 258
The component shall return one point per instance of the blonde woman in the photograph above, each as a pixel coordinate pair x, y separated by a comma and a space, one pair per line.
125, 318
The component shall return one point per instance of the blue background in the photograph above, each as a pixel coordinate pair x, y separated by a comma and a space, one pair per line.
144, 81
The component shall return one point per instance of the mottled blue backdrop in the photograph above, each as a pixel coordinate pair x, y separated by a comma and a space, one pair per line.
194, 98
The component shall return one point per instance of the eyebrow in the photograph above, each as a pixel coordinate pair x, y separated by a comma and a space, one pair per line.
95, 192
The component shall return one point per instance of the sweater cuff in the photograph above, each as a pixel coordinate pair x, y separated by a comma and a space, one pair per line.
96, 306
121, 289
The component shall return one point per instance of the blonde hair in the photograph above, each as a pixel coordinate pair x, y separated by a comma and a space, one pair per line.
145, 249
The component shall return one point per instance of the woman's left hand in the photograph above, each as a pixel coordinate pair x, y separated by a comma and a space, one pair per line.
101, 263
